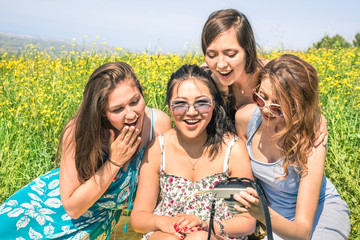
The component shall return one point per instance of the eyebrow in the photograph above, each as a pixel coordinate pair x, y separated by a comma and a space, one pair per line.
121, 105
225, 50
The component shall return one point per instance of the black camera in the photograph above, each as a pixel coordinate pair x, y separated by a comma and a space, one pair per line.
226, 190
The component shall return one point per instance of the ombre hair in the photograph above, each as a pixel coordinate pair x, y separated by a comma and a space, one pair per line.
295, 87
220, 123
90, 124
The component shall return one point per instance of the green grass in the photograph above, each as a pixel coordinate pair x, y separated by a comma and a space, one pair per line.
40, 92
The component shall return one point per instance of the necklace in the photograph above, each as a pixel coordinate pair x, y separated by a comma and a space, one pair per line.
193, 164
190, 159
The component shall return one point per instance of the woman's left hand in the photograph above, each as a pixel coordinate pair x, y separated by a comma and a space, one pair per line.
250, 203
188, 223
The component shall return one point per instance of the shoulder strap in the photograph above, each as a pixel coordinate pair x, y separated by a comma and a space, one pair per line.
227, 156
152, 124
161, 141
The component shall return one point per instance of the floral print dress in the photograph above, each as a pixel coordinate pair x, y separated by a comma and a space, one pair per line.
179, 195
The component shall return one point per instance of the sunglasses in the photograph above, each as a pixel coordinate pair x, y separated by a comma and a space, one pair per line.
274, 109
202, 106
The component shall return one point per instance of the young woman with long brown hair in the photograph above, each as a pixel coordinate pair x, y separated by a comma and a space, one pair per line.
230, 51
280, 129
101, 150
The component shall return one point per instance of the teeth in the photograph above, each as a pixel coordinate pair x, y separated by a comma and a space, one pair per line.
131, 123
192, 121
224, 73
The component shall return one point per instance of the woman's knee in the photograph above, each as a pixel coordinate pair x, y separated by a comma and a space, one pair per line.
162, 236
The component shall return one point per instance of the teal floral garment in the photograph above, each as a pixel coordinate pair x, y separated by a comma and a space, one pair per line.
36, 212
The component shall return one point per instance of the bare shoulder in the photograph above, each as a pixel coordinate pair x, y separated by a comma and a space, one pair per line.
68, 134
242, 119
162, 121
239, 162
152, 153
239, 146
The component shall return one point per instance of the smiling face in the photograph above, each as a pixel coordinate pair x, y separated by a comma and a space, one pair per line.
192, 124
226, 58
126, 106
266, 93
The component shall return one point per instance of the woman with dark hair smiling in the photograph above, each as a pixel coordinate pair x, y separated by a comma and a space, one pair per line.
184, 163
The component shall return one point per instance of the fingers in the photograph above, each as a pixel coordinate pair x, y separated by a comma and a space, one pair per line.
325, 139
320, 139
247, 198
125, 144
188, 224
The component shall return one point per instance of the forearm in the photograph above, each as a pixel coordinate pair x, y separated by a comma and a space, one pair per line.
89, 192
144, 222
287, 229
237, 226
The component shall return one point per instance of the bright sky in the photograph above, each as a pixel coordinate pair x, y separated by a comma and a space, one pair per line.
175, 26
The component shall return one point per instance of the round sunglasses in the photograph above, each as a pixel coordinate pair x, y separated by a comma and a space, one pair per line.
275, 109
202, 106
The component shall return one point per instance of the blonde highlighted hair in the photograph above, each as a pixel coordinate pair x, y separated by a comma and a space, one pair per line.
295, 87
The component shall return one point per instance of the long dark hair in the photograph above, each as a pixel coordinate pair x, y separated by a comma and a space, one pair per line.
223, 20
220, 123
91, 125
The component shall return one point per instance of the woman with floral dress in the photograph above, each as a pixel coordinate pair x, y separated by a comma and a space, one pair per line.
185, 163
101, 151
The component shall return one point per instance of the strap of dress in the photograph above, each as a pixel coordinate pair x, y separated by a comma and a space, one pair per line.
227, 156
152, 124
161, 141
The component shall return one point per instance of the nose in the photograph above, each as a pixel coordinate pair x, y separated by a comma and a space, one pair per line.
222, 62
129, 114
191, 110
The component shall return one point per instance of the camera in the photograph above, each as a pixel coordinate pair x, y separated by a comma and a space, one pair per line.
227, 188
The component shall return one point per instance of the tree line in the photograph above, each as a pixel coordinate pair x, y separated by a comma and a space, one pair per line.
337, 41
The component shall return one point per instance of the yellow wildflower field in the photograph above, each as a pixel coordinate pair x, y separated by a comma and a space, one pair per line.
41, 90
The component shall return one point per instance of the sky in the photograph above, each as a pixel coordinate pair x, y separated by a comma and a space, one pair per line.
175, 26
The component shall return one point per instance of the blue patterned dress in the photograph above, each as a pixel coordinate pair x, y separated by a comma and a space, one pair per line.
36, 212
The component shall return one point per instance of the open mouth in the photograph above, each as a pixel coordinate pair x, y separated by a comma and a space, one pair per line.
192, 121
225, 74
266, 117
132, 124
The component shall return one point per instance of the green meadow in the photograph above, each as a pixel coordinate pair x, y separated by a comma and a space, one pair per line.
40, 91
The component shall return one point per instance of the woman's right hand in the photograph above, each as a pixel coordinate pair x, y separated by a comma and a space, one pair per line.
125, 145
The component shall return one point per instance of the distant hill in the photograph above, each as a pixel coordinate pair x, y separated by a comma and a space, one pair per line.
15, 43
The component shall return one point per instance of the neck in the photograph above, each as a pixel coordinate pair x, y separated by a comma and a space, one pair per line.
193, 146
242, 90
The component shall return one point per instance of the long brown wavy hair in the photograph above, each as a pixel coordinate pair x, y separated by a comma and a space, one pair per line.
91, 125
295, 87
